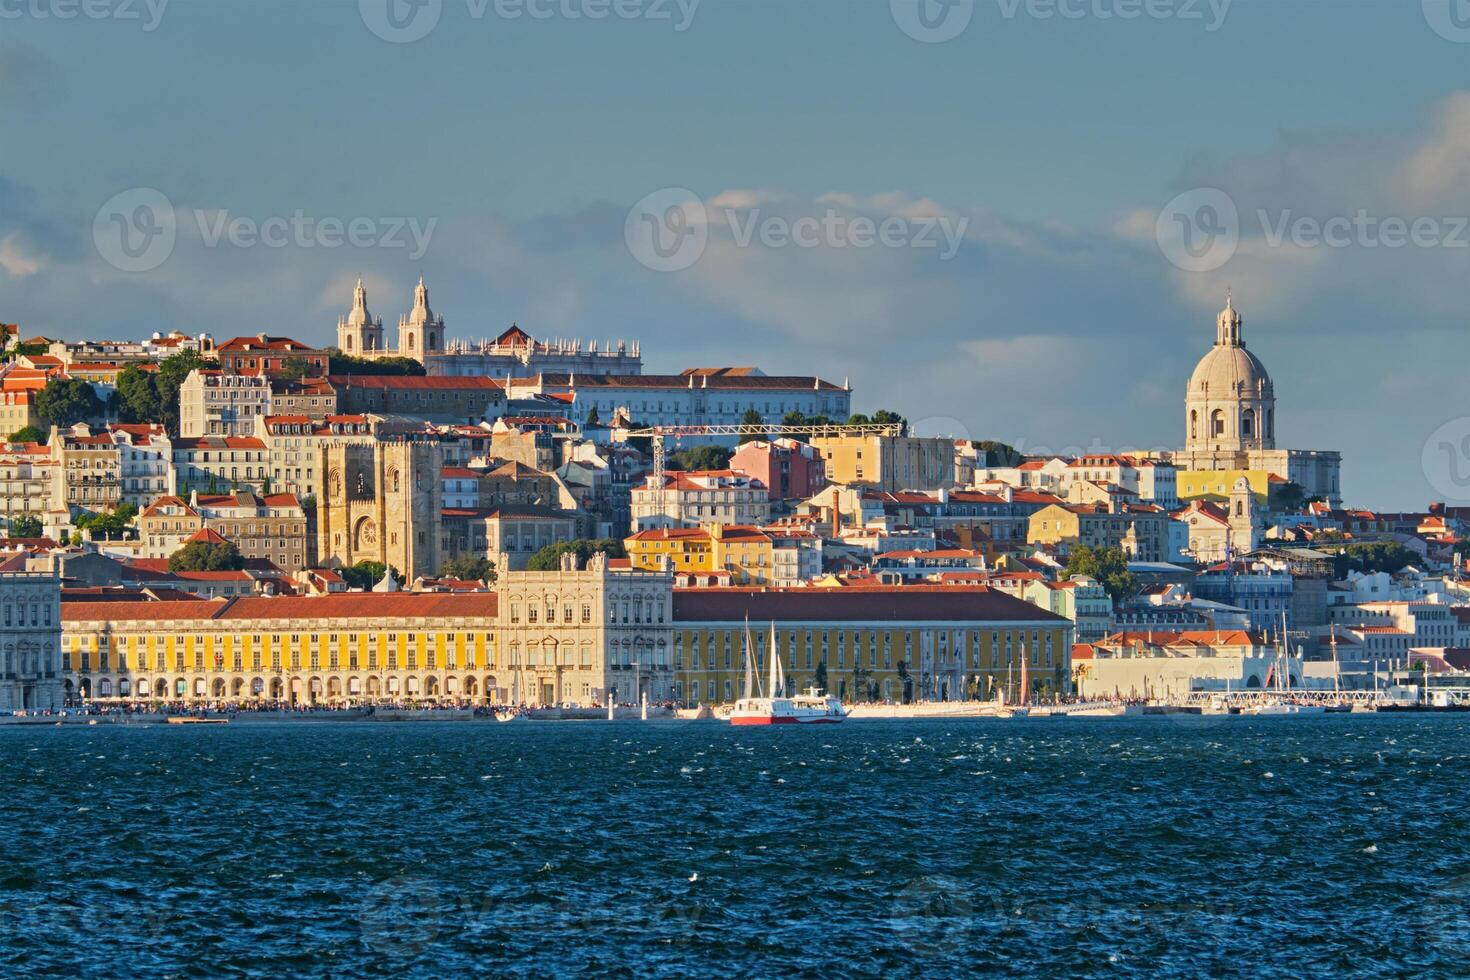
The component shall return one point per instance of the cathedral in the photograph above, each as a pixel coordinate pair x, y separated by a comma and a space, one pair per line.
514, 354
1230, 419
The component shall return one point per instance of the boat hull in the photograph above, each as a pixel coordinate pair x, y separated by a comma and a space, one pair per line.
781, 720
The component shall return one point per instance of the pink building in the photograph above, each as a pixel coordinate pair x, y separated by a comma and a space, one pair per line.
791, 470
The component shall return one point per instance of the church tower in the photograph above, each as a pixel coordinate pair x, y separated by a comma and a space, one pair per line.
358, 334
1230, 405
420, 332
1245, 524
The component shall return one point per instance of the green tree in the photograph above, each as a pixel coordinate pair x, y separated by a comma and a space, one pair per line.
112, 526
820, 680
340, 363
137, 394
1107, 566
752, 417
295, 367
67, 401
1376, 556
903, 681
1000, 453
206, 556
366, 574
28, 434
884, 417
700, 458
858, 418
548, 559
25, 526
171, 374
594, 420
470, 568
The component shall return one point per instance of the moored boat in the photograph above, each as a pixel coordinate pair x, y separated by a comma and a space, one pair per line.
814, 707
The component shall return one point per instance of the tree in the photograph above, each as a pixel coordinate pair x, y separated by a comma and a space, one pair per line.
700, 458
548, 559
470, 569
752, 417
1376, 556
28, 434
903, 681
820, 680
366, 574
206, 556
26, 526
858, 418
884, 417
340, 363
137, 394
1000, 453
67, 401
1107, 566
295, 367
171, 374
593, 419
111, 526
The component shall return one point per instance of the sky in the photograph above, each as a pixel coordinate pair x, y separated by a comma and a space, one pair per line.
1005, 219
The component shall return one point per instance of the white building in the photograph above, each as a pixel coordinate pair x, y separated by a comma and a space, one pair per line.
514, 354
212, 403
699, 396
703, 497
582, 635
30, 642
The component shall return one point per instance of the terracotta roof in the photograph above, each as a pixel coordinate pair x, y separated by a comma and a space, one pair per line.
736, 382
218, 442
858, 604
349, 605
436, 383
263, 342
205, 536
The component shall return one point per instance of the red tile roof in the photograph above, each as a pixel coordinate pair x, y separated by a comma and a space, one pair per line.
856, 604
349, 605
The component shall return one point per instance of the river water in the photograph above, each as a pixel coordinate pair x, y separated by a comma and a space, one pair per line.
1153, 846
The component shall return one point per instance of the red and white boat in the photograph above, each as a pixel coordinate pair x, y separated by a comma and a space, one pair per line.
812, 708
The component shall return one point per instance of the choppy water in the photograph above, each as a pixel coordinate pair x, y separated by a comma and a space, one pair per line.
1102, 848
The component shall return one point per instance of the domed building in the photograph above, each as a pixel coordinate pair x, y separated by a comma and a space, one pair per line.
1231, 404
1230, 426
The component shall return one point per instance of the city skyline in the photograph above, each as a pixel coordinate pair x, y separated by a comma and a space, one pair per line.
1057, 323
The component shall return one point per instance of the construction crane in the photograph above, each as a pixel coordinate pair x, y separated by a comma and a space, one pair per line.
657, 434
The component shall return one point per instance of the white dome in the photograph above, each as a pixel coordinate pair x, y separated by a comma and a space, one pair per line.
1226, 371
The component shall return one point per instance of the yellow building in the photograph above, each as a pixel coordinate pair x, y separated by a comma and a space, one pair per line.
683, 549
1216, 485
1140, 530
747, 553
328, 649
901, 643
890, 463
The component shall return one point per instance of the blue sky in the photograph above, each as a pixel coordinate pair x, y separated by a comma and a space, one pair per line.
1053, 141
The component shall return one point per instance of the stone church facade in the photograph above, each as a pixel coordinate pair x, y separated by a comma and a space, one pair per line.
382, 502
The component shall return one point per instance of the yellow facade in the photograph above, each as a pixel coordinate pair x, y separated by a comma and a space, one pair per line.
191, 656
895, 663
684, 550
1216, 484
747, 554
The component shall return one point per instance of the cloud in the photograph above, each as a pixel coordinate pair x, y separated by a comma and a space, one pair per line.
24, 71
1046, 334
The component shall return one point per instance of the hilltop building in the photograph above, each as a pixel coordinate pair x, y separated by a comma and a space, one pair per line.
1230, 419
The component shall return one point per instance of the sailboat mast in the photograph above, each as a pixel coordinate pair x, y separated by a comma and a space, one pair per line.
749, 662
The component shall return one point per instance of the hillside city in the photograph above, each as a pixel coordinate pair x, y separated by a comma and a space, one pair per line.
195, 521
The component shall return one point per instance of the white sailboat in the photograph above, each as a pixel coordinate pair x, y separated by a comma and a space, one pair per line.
812, 708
